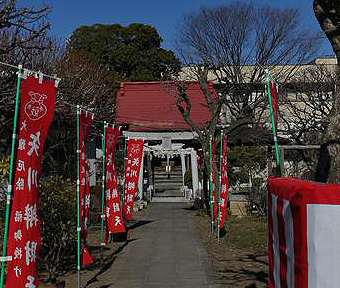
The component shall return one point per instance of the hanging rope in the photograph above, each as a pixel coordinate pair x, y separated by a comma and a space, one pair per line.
74, 106
37, 74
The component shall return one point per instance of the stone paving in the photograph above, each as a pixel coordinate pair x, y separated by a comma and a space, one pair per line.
164, 251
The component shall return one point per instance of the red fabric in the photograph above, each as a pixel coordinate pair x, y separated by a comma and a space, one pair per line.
298, 194
275, 102
134, 156
113, 209
300, 243
200, 159
224, 182
86, 120
146, 106
37, 105
214, 176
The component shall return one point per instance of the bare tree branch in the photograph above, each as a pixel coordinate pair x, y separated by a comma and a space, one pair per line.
20, 25
234, 43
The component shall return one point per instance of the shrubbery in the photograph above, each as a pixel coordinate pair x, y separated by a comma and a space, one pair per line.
258, 197
58, 214
188, 179
58, 224
4, 172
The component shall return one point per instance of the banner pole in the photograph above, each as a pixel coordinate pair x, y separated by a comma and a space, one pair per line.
210, 186
219, 189
124, 159
273, 123
78, 195
11, 174
103, 192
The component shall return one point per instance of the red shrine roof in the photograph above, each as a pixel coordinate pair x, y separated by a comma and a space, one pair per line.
150, 106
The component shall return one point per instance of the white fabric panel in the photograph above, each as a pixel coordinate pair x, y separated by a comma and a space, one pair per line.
289, 232
276, 243
323, 233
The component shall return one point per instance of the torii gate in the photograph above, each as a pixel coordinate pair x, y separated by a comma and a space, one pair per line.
168, 150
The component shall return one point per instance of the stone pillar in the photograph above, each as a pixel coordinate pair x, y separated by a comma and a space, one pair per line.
141, 180
168, 167
183, 165
150, 188
187, 158
194, 171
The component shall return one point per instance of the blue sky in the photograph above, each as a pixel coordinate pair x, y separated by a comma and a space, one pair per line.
66, 16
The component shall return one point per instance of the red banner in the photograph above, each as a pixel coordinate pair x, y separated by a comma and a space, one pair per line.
113, 209
37, 105
86, 120
134, 156
214, 175
224, 182
200, 160
275, 103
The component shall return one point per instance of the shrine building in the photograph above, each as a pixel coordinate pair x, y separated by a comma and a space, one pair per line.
149, 112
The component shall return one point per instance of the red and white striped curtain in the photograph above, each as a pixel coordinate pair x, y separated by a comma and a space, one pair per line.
304, 233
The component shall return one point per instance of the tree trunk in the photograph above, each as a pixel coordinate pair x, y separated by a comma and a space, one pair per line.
333, 136
205, 196
327, 13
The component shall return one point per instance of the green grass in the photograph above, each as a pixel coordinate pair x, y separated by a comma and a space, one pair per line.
248, 233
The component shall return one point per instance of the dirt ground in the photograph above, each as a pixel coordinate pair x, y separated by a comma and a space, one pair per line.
90, 273
240, 259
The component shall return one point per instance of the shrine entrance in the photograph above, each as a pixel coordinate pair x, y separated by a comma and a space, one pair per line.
168, 176
165, 165
148, 111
